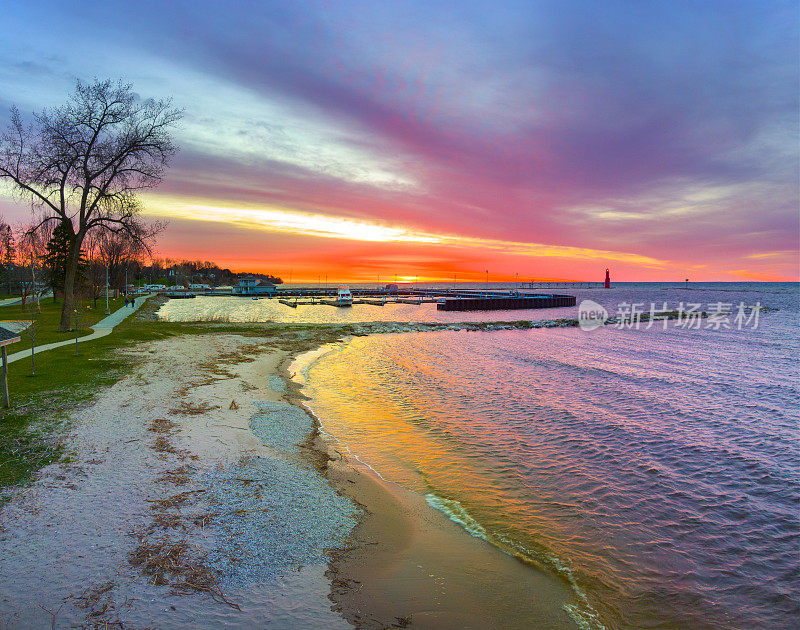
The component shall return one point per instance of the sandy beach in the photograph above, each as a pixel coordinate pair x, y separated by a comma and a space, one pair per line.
197, 492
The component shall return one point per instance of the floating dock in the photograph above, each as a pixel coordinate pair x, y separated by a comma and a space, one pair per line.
505, 303
179, 295
456, 299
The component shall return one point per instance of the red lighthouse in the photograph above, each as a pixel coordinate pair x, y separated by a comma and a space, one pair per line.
608, 280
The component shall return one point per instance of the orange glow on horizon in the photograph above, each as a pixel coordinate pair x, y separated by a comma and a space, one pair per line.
307, 247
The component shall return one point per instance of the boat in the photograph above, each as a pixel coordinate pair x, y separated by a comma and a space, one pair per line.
344, 297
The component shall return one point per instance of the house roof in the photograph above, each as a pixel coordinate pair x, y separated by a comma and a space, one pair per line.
7, 337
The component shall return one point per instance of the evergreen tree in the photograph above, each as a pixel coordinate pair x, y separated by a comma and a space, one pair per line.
56, 258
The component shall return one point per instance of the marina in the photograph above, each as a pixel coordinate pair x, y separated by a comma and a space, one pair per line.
445, 299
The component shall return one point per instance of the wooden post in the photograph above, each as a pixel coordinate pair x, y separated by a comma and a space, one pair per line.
5, 378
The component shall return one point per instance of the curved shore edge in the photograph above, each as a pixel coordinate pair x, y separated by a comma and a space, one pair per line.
155, 461
408, 563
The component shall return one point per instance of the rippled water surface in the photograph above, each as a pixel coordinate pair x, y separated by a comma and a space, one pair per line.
654, 470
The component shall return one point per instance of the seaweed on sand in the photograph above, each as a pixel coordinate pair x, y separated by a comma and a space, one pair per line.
177, 564
175, 501
178, 476
203, 519
163, 445
162, 425
168, 520
99, 606
190, 409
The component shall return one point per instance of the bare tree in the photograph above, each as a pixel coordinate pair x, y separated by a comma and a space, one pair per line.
31, 332
33, 239
84, 162
8, 254
115, 250
95, 269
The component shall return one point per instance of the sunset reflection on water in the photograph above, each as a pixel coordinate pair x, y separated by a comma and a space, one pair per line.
637, 465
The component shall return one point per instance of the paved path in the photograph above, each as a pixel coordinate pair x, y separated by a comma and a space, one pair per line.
16, 300
101, 329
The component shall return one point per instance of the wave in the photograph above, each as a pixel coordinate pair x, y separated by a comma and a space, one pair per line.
582, 613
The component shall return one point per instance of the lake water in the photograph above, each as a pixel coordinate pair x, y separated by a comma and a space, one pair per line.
655, 471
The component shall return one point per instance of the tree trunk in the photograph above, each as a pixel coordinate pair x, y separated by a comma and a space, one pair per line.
69, 283
66, 308
34, 294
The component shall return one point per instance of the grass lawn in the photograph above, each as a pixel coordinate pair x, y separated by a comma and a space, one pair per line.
50, 316
32, 431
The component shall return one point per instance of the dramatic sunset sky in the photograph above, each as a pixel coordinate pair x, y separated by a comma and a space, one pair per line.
427, 139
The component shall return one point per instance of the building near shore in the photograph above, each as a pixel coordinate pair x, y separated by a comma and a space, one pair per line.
254, 286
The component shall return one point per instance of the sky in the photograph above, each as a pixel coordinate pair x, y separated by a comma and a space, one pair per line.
367, 141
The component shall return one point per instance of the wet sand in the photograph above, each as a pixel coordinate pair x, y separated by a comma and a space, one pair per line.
137, 475
409, 562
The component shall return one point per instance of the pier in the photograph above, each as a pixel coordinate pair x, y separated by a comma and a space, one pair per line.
445, 299
505, 303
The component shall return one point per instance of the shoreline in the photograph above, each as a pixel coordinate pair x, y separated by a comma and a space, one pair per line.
139, 525
410, 564
135, 525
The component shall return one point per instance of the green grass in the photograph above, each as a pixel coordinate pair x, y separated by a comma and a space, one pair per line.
32, 431
50, 317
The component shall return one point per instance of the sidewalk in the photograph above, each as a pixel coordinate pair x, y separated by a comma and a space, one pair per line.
101, 329
16, 300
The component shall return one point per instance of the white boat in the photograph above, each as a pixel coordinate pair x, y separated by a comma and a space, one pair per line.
344, 297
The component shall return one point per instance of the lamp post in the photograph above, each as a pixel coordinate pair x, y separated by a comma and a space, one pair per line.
108, 312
